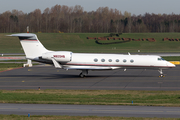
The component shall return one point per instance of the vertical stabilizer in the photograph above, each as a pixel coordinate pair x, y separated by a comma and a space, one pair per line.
32, 47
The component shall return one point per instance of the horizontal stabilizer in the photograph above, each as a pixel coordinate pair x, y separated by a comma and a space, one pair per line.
27, 36
56, 64
23, 35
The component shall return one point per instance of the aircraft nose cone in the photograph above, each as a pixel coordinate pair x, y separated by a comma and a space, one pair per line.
171, 65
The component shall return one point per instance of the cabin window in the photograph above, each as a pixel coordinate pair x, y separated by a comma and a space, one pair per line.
124, 60
117, 60
102, 60
131, 60
110, 60
95, 60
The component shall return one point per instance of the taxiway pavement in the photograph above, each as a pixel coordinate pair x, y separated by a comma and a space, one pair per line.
47, 77
90, 110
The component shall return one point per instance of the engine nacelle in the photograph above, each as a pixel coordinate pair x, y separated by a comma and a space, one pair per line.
60, 56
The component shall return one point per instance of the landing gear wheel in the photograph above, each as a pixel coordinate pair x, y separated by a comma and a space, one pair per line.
81, 75
161, 75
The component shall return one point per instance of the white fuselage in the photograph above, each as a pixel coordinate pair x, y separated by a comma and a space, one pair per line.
114, 61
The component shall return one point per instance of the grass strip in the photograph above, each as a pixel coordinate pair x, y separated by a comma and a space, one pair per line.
13, 61
38, 117
78, 42
92, 97
9, 66
172, 58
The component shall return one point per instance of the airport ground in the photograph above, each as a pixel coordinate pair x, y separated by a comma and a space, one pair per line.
47, 77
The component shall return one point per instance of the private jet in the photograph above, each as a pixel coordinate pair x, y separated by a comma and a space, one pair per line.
67, 60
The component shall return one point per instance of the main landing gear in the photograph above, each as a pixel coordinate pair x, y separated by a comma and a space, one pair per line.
161, 73
83, 73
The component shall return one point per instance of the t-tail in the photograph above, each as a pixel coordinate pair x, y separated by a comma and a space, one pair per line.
32, 47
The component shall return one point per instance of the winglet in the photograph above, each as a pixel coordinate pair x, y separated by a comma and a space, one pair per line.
56, 64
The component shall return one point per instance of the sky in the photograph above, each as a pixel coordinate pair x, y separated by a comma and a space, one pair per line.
136, 7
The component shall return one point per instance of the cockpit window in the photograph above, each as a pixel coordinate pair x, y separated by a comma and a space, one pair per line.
160, 59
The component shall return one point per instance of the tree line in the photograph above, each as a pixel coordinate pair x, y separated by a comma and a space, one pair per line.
75, 20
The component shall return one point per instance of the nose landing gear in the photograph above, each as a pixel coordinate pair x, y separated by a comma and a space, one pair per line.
161, 73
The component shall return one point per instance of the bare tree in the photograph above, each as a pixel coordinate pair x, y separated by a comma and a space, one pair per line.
46, 17
74, 19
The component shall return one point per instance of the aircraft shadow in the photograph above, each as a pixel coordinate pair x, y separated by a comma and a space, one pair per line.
56, 76
59, 76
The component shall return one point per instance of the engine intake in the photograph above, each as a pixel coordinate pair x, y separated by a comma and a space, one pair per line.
60, 56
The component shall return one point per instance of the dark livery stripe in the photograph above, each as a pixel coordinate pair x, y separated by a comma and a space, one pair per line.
32, 38
28, 40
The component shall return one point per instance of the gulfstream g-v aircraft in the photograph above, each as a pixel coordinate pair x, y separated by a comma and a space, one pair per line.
68, 60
